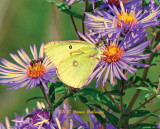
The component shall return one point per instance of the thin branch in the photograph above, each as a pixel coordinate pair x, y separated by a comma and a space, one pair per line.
142, 105
74, 25
144, 118
86, 7
112, 99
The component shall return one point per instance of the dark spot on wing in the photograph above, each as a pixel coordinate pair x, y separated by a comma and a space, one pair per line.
70, 46
75, 63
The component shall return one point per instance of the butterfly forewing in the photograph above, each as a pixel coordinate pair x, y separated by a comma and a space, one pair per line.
56, 51
75, 68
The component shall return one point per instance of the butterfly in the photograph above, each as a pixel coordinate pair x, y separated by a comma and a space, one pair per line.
75, 60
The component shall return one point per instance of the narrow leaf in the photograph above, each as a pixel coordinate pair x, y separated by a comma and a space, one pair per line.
139, 113
33, 98
94, 94
64, 8
112, 118
145, 126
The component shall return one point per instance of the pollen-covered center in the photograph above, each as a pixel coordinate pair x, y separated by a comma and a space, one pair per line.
36, 70
112, 53
126, 18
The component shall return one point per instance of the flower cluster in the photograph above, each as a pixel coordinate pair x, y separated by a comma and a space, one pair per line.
31, 72
117, 31
40, 119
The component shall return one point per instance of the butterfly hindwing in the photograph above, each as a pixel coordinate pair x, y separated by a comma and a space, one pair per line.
75, 68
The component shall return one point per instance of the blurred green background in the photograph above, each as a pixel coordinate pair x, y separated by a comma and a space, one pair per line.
25, 22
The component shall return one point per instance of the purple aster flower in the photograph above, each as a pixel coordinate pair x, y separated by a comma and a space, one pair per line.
119, 56
119, 22
39, 119
31, 72
8, 126
158, 126
78, 122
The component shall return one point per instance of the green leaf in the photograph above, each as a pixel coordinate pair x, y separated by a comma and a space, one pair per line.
112, 118
145, 126
113, 92
30, 115
97, 4
148, 96
98, 116
143, 88
146, 3
157, 2
158, 26
64, 8
83, 99
59, 87
33, 98
52, 92
94, 94
139, 113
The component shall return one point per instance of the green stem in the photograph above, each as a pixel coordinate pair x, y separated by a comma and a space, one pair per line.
60, 101
74, 25
86, 7
142, 105
112, 99
122, 112
45, 96
104, 126
145, 72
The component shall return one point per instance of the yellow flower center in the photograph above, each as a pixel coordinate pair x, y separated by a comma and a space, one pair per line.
126, 18
112, 53
36, 70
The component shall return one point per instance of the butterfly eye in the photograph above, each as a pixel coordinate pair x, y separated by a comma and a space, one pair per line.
75, 63
70, 46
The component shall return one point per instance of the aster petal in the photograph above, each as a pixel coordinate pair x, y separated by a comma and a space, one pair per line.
18, 60
86, 39
90, 78
7, 123
106, 75
120, 72
138, 49
31, 84
25, 56
99, 76
7, 64
45, 86
71, 124
41, 52
18, 85
151, 16
111, 74
115, 71
2, 126
78, 119
13, 80
33, 52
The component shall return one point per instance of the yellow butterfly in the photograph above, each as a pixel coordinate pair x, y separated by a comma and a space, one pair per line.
75, 60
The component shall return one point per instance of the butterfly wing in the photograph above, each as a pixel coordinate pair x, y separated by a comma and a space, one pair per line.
75, 68
56, 51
